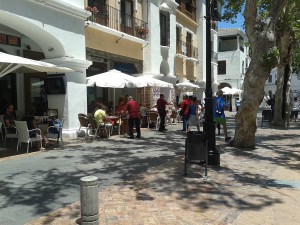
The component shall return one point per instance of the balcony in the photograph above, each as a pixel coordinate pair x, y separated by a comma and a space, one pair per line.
120, 21
186, 49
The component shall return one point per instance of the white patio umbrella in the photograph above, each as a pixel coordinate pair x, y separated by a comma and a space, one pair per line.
153, 82
227, 91
114, 79
236, 91
11, 63
186, 86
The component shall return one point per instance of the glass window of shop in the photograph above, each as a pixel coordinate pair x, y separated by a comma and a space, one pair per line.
8, 92
36, 102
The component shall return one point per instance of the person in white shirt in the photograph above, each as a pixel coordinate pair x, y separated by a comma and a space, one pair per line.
295, 109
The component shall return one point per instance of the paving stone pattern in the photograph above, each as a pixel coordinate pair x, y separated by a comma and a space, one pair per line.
256, 187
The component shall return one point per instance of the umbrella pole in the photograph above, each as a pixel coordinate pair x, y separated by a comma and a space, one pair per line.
114, 109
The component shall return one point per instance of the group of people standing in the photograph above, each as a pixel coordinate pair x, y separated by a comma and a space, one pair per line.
191, 110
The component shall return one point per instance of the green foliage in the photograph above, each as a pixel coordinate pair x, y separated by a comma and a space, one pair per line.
230, 9
296, 58
271, 59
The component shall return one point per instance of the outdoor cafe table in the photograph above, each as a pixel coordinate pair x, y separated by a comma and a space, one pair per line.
114, 121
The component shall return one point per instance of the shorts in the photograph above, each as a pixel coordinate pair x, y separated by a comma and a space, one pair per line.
220, 120
294, 114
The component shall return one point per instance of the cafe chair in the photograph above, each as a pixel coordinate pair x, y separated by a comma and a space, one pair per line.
98, 130
84, 124
153, 117
57, 136
7, 134
24, 136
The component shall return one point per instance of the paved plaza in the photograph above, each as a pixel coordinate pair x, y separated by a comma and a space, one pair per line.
142, 182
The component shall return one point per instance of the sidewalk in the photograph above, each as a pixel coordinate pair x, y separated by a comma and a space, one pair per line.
251, 187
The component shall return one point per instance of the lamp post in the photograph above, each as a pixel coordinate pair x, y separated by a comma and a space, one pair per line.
209, 125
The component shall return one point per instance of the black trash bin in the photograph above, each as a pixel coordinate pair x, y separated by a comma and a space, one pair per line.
196, 149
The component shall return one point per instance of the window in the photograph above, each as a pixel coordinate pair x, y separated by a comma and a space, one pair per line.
127, 17
221, 67
188, 7
178, 40
270, 78
164, 29
189, 44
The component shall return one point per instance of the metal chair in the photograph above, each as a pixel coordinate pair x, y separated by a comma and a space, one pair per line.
24, 134
153, 117
58, 136
84, 123
106, 128
7, 131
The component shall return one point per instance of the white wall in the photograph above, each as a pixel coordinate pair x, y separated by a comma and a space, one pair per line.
58, 34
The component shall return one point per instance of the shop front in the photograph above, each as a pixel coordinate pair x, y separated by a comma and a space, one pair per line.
50, 36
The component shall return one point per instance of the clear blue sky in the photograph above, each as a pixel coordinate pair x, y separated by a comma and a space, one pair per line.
238, 24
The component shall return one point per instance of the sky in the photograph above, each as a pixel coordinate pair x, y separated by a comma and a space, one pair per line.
238, 24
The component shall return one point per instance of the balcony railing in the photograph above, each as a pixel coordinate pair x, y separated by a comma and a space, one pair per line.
187, 49
119, 20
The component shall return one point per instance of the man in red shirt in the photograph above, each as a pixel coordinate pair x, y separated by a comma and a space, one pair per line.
161, 108
185, 104
134, 117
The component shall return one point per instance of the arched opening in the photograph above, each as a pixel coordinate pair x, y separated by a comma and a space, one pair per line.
26, 92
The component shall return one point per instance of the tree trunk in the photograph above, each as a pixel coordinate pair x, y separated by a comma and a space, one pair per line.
245, 119
283, 77
261, 38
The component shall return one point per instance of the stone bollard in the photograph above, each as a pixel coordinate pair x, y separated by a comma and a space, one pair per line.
89, 200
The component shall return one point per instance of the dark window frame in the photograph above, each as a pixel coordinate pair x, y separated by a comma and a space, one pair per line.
222, 67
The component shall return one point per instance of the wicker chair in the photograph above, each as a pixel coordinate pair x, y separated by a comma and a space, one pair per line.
153, 117
84, 123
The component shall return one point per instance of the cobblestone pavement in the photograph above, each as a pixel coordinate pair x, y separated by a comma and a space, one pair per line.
261, 186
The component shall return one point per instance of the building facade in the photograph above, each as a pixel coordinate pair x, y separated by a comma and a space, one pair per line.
233, 58
163, 39
52, 31
270, 85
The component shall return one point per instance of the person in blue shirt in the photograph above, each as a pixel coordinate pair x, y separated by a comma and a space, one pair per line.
219, 115
237, 104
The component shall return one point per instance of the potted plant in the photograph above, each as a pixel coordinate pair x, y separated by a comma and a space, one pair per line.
141, 30
94, 12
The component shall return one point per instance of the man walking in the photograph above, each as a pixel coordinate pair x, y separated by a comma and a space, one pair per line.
161, 108
219, 115
132, 108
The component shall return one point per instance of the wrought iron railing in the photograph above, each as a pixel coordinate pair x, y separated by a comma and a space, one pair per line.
119, 20
187, 49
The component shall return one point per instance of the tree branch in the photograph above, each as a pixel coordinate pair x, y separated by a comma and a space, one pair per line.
250, 13
277, 9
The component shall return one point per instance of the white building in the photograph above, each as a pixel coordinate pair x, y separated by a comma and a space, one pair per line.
270, 85
233, 58
172, 48
51, 30
161, 38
